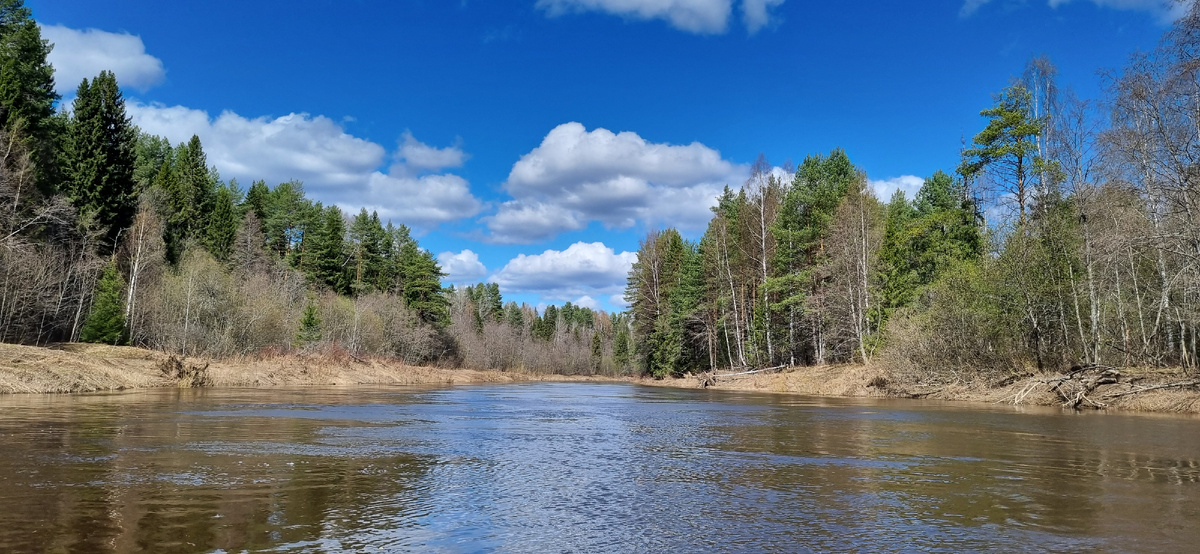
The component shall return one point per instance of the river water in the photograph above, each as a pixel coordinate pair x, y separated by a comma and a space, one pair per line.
580, 467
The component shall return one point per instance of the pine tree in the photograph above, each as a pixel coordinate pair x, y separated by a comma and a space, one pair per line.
106, 322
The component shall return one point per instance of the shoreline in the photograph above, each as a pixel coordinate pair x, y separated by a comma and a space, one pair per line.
80, 368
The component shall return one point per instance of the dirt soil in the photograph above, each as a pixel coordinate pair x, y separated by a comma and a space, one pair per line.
66, 368
878, 381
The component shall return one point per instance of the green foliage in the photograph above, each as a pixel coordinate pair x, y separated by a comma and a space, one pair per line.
665, 290
422, 286
27, 94
310, 326
326, 260
370, 248
150, 153
106, 322
190, 191
923, 241
1008, 146
222, 224
257, 199
621, 350
100, 156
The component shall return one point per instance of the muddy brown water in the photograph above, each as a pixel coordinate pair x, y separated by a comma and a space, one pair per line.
577, 467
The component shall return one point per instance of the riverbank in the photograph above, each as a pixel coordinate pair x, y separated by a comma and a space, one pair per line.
1133, 391
71, 368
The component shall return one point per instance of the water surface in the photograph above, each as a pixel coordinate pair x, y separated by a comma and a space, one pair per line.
562, 467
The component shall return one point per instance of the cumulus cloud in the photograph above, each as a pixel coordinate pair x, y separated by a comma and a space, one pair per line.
885, 188
693, 16
79, 55
583, 269
335, 166
619, 179
1165, 9
756, 14
416, 156
587, 302
463, 267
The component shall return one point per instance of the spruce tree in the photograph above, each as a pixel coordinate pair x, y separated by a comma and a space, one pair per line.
106, 321
423, 292
256, 199
310, 326
27, 94
222, 225
101, 155
327, 259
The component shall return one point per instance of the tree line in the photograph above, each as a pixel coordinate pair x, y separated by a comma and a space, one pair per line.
115, 236
1067, 235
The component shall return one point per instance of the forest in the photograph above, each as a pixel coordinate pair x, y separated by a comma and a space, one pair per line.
1065, 236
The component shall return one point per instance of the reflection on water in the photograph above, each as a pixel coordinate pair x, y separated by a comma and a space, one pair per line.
582, 467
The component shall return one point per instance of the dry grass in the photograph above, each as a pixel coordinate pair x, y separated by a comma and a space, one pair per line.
84, 368
78, 368
87, 368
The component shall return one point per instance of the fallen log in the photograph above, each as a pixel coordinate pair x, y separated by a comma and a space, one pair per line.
1181, 384
708, 379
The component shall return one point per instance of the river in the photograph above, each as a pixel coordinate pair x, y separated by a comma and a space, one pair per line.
561, 467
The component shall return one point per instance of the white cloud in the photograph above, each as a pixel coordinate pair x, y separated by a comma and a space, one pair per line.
884, 188
586, 301
423, 202
1167, 10
695, 16
971, 6
79, 55
526, 222
756, 14
463, 267
335, 166
583, 269
418, 156
619, 179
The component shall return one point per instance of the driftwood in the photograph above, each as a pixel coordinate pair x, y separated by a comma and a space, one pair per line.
188, 375
1075, 387
1181, 384
708, 379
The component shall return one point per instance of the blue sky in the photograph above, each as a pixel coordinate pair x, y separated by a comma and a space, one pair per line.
533, 142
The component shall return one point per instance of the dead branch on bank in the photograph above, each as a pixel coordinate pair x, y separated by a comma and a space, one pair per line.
1181, 384
708, 379
188, 375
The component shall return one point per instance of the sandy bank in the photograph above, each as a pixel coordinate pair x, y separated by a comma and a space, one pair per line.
878, 381
70, 368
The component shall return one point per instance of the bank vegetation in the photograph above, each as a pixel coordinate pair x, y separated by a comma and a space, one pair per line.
1066, 240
